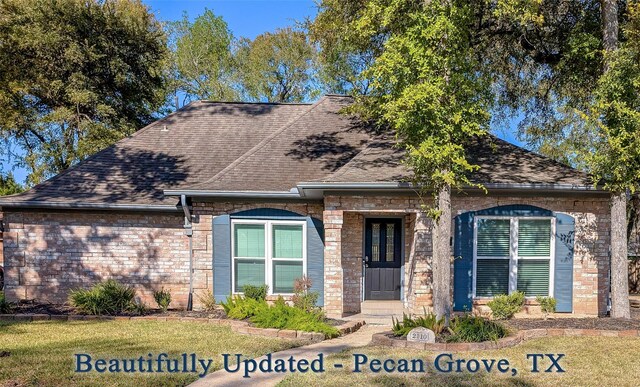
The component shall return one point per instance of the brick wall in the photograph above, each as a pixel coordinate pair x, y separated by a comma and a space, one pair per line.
49, 253
591, 282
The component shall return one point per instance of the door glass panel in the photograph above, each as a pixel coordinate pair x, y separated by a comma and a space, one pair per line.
390, 238
375, 242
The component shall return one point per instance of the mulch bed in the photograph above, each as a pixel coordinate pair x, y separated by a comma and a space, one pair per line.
604, 323
35, 307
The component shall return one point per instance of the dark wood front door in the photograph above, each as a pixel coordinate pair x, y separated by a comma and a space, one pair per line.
383, 261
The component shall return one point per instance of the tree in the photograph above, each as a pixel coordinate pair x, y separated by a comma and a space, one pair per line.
76, 76
578, 86
278, 67
342, 56
616, 141
8, 185
202, 59
426, 85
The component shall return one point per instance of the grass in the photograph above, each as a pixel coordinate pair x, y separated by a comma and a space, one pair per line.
42, 352
589, 361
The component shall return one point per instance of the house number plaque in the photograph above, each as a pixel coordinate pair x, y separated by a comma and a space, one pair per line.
421, 335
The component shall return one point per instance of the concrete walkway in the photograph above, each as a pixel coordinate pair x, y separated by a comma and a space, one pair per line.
310, 352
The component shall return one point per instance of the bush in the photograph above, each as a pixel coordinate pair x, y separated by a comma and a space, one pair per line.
503, 306
109, 297
163, 299
547, 305
258, 293
283, 316
428, 320
240, 308
208, 301
303, 298
474, 329
5, 307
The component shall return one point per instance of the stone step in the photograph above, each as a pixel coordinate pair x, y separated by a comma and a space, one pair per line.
382, 308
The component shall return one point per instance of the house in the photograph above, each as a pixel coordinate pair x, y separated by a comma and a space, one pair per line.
253, 193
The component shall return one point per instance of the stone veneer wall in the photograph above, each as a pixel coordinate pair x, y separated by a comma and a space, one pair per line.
48, 253
591, 281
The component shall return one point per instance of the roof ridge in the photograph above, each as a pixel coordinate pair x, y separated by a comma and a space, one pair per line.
257, 102
259, 145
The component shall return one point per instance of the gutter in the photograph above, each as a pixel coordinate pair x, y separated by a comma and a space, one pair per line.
409, 186
96, 206
293, 194
188, 231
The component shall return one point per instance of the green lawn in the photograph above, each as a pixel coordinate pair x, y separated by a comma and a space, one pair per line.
42, 352
589, 361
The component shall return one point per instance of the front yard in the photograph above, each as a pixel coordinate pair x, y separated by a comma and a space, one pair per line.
588, 361
41, 353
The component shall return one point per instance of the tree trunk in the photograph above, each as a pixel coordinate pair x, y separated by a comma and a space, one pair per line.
441, 261
619, 265
619, 259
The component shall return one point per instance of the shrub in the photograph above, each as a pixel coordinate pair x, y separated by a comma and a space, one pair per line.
163, 299
258, 293
428, 320
503, 306
5, 307
474, 329
283, 316
208, 301
139, 308
109, 297
303, 298
547, 305
240, 308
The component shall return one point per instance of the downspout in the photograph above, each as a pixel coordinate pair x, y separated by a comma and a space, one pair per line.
188, 231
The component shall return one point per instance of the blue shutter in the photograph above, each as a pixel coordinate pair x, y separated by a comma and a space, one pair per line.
315, 256
563, 275
463, 262
221, 257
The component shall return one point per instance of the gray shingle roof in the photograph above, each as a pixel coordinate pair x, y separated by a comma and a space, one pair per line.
216, 146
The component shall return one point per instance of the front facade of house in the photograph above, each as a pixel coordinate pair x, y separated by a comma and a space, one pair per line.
239, 194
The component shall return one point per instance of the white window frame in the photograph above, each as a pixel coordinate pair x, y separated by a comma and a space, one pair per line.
513, 251
268, 248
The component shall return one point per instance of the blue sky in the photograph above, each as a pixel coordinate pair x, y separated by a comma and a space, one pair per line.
246, 18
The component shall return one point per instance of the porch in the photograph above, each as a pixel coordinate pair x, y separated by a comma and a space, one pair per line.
376, 262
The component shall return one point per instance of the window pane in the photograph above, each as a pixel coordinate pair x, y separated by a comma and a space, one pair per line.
390, 238
248, 272
284, 274
493, 237
533, 277
287, 241
492, 277
249, 240
534, 237
375, 242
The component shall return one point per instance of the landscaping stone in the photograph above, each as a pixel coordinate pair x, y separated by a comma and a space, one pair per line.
287, 334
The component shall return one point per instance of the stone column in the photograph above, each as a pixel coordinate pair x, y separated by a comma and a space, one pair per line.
333, 275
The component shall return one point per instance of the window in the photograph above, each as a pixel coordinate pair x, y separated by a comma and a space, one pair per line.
513, 253
268, 252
